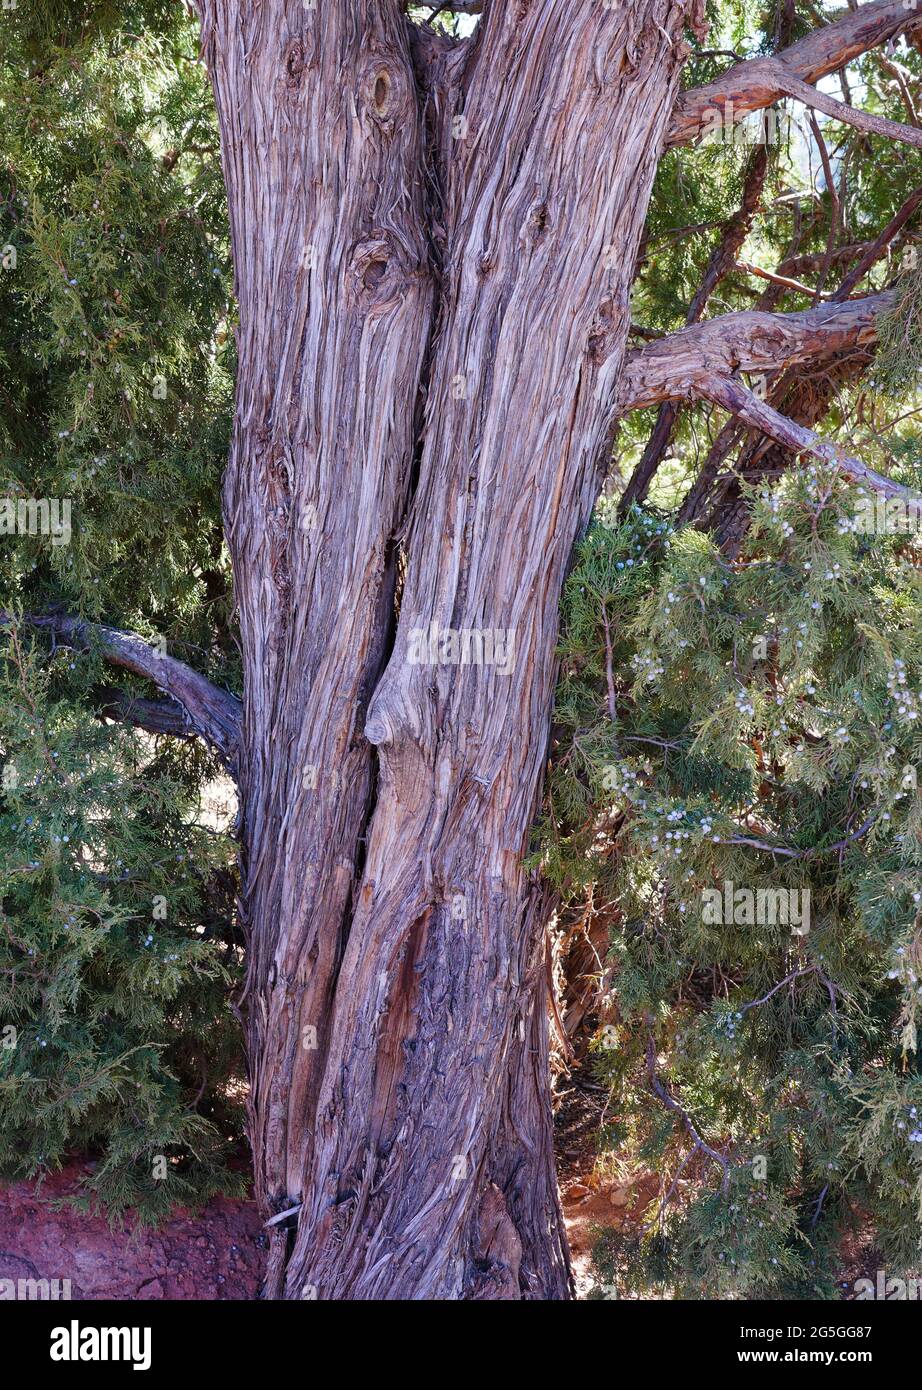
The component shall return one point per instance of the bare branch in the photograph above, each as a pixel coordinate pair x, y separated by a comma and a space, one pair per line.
796, 285
813, 261
154, 716
902, 78
800, 392
751, 341
719, 264
211, 712
659, 1089
840, 111
454, 7
755, 84
834, 201
879, 245
788, 980
759, 415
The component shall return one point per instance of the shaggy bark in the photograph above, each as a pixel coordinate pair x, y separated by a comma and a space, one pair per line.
753, 85
322, 151
433, 246
432, 1172
412, 1131
751, 341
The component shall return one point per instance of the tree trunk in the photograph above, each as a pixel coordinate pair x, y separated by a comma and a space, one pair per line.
322, 154
473, 223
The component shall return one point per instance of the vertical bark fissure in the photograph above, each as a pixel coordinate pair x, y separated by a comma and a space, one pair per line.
433, 1173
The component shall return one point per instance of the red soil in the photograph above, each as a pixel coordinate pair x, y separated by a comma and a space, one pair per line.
217, 1254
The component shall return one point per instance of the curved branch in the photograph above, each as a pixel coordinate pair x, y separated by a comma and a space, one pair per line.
752, 341
755, 84
759, 415
813, 261
212, 713
800, 393
774, 278
665, 1095
841, 111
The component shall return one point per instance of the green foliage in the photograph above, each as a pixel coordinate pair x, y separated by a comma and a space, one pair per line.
899, 356
118, 957
754, 722
116, 960
766, 735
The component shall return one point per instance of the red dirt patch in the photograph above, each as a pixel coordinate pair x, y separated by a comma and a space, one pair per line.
217, 1254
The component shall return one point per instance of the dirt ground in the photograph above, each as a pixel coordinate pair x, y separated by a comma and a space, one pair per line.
592, 1200
217, 1254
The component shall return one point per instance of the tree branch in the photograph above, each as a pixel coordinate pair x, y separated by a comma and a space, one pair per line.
759, 415
155, 716
210, 712
721, 261
800, 392
813, 261
784, 281
840, 111
753, 85
661, 1090
454, 7
751, 341
879, 245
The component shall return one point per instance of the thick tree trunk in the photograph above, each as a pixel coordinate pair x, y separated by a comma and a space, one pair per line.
397, 983
322, 157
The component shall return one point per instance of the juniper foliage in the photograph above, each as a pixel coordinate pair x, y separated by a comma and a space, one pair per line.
754, 720
118, 957
754, 724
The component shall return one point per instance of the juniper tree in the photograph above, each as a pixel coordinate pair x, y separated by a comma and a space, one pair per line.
117, 953
443, 241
